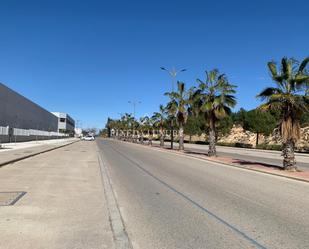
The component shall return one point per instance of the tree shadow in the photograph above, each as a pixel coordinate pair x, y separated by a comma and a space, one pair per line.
246, 162
195, 153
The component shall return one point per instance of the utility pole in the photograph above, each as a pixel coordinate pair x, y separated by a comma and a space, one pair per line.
173, 73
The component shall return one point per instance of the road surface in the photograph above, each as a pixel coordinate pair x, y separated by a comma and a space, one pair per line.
172, 201
249, 155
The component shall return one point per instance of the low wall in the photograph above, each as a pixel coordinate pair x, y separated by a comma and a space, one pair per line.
12, 139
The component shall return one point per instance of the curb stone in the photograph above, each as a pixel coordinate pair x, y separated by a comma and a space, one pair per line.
34, 154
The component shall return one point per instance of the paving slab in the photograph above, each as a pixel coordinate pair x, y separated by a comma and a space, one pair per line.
12, 153
64, 204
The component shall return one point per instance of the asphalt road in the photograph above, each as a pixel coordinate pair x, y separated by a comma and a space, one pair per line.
248, 155
172, 201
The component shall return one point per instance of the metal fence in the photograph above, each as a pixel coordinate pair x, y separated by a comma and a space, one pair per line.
4, 130
31, 132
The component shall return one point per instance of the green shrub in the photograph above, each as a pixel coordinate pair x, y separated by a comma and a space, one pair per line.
201, 142
269, 147
226, 144
243, 145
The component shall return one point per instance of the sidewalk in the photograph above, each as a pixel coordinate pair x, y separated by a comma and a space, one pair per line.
14, 152
63, 203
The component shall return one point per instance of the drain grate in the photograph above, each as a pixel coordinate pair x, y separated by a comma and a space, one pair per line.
10, 198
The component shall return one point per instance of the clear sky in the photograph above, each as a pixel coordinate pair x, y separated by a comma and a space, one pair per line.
88, 58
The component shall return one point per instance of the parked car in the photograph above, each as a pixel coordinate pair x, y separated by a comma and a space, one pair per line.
88, 138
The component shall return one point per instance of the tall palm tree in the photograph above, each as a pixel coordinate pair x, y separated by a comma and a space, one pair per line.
128, 123
290, 98
178, 105
214, 99
152, 126
159, 122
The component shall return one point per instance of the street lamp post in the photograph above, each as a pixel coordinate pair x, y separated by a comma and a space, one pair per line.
173, 73
134, 103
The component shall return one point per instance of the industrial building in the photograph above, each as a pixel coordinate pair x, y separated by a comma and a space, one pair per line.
19, 112
23, 120
66, 124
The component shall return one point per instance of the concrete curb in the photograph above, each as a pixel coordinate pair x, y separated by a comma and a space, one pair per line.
218, 162
121, 237
35, 154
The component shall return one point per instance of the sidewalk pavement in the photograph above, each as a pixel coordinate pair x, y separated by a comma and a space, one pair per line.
60, 201
14, 152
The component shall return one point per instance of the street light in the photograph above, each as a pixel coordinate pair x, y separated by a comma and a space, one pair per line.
173, 73
134, 103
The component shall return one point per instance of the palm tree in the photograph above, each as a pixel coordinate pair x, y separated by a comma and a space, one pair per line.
290, 98
144, 126
178, 106
152, 126
214, 99
128, 123
159, 121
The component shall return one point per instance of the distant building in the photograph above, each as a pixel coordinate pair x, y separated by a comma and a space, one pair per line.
66, 124
78, 132
16, 111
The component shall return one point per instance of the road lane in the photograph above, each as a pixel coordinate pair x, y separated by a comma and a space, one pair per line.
248, 155
170, 201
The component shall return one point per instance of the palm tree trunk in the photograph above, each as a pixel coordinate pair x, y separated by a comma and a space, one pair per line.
257, 139
181, 137
142, 137
161, 137
150, 138
212, 138
289, 162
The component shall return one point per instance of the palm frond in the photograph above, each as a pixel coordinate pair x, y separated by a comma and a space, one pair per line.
286, 68
273, 69
267, 92
303, 64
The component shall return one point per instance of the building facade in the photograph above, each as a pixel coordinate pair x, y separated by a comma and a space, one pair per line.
66, 124
16, 111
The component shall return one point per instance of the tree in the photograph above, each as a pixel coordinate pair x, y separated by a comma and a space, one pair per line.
127, 124
215, 99
304, 120
193, 127
108, 126
159, 122
144, 126
224, 126
259, 123
289, 97
239, 117
178, 105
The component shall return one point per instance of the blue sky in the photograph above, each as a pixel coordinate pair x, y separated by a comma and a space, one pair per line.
88, 58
